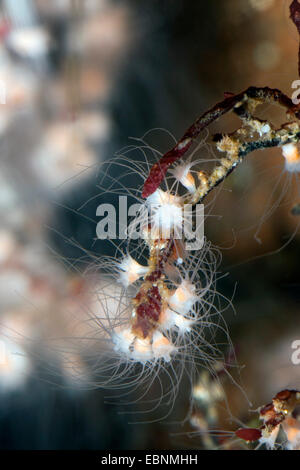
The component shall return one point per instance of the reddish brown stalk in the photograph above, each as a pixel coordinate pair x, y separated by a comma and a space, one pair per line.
148, 303
248, 434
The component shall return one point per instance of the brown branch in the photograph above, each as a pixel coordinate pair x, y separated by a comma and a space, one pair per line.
257, 95
273, 414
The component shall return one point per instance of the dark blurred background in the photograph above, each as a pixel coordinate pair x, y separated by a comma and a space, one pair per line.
78, 78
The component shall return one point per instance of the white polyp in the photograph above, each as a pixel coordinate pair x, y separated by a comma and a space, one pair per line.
184, 176
166, 211
131, 270
291, 427
167, 321
269, 441
183, 298
292, 157
142, 350
123, 341
171, 319
183, 324
162, 347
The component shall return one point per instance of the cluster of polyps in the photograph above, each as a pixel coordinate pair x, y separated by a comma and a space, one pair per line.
275, 416
169, 302
172, 293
